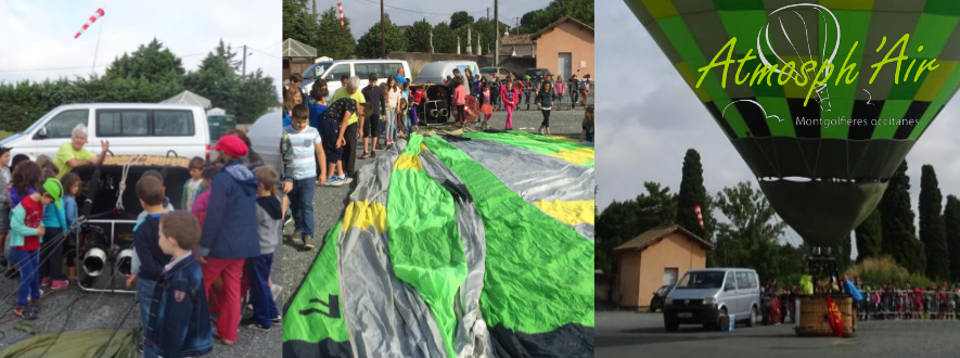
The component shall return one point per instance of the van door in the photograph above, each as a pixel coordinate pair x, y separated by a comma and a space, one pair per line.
729, 295
743, 293
333, 76
177, 129
58, 130
127, 130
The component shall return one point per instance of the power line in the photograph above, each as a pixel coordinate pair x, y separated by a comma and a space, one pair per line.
415, 11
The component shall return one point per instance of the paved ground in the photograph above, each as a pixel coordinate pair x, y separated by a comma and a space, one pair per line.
74, 309
329, 202
620, 334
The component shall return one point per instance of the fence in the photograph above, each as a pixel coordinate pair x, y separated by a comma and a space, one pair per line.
905, 304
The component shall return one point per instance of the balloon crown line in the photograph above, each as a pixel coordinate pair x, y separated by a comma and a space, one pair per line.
812, 74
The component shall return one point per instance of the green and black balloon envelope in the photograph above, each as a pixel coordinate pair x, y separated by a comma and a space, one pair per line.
822, 100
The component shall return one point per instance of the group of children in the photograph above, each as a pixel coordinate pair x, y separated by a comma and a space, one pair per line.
38, 209
223, 234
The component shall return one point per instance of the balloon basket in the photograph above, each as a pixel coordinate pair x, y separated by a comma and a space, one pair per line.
814, 316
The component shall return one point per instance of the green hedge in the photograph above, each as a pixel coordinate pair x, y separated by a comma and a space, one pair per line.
883, 270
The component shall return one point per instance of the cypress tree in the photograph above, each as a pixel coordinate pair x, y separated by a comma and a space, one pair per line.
898, 238
869, 234
931, 226
951, 221
693, 193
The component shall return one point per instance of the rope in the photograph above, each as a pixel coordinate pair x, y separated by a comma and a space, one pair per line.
123, 180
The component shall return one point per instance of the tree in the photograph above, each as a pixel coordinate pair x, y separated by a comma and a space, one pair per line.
932, 232
151, 62
535, 20
418, 36
369, 45
951, 220
623, 221
459, 19
692, 193
868, 235
217, 79
444, 39
749, 238
898, 238
331, 40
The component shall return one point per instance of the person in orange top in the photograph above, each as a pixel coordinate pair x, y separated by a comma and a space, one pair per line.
459, 99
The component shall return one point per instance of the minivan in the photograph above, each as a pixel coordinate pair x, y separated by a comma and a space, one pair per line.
436, 72
333, 71
132, 128
711, 296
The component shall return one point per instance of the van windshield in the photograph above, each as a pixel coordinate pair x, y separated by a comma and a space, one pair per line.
701, 279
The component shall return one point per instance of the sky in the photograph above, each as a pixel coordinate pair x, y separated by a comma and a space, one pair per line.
647, 118
365, 13
38, 36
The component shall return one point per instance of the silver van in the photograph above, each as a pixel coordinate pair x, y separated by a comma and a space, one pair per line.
710, 296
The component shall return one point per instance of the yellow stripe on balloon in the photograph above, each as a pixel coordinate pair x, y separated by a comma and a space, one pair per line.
407, 161
579, 156
364, 215
573, 213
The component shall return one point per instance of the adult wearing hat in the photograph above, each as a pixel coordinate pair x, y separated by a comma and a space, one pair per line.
229, 232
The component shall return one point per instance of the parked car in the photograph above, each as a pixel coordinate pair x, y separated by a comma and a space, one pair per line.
656, 303
332, 71
711, 296
132, 128
490, 72
540, 73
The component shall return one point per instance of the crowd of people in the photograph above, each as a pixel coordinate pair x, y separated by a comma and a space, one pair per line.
192, 263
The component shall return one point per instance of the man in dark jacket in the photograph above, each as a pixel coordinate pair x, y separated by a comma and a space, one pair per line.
229, 232
376, 109
179, 324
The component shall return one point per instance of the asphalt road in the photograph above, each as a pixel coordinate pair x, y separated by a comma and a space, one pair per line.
74, 309
621, 334
329, 202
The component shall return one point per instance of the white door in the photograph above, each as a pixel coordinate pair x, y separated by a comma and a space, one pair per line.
564, 63
669, 276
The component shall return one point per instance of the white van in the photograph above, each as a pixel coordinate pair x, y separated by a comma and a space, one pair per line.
437, 72
332, 71
131, 128
711, 296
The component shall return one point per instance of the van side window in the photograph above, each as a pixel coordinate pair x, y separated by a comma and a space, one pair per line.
173, 123
730, 284
63, 123
743, 280
338, 71
365, 69
390, 69
122, 123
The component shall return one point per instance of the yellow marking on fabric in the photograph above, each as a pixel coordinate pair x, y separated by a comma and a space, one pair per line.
364, 214
423, 147
572, 213
579, 156
660, 8
407, 161
931, 87
691, 79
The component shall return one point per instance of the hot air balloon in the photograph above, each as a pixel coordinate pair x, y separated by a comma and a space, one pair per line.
823, 139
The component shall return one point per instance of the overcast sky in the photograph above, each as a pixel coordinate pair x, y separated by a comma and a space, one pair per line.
648, 117
38, 41
364, 13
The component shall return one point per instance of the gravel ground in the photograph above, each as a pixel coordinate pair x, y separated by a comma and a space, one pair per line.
621, 334
106, 311
329, 202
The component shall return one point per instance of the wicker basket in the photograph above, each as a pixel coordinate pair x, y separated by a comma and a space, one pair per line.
147, 160
813, 316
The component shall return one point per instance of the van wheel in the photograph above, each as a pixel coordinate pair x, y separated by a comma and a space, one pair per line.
723, 319
753, 317
670, 323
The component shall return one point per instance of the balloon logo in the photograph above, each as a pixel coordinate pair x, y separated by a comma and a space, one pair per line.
801, 40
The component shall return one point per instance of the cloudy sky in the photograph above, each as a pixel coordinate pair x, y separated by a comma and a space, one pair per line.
648, 117
364, 13
38, 41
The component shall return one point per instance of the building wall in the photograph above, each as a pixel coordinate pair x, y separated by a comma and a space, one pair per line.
629, 279
675, 250
566, 37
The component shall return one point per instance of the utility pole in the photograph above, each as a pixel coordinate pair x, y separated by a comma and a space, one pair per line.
243, 72
314, 10
383, 36
488, 14
496, 46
